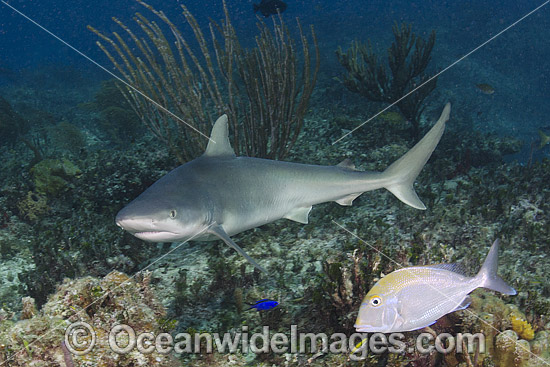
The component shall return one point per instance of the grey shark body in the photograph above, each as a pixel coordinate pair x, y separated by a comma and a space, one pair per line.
218, 194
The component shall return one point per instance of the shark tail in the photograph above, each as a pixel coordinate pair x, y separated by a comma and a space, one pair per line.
403, 172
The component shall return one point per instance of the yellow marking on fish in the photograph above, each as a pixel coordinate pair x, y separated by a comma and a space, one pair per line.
401, 278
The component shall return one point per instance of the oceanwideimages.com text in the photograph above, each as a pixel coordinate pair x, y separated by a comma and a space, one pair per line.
80, 339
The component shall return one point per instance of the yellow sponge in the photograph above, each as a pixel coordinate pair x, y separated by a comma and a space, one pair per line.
522, 327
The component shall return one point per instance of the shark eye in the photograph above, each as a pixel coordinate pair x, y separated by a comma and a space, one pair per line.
375, 301
173, 213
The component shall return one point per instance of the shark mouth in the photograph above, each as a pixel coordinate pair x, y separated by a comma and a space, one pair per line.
146, 233
159, 236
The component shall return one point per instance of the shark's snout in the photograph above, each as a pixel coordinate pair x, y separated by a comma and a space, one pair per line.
146, 226
124, 221
134, 223
119, 221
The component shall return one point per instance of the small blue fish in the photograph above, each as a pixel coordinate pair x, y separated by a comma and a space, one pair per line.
264, 304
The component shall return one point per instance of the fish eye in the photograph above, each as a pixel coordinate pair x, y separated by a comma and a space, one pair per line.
375, 301
173, 213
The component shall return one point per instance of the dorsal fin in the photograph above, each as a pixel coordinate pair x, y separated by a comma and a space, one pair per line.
219, 139
454, 267
347, 163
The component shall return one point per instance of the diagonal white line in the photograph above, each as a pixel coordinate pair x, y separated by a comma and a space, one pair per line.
438, 291
107, 70
444, 70
107, 293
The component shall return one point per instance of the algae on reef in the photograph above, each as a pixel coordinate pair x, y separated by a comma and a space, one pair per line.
36, 340
52, 176
11, 123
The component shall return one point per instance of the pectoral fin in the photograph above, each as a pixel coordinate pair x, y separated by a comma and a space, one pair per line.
219, 232
464, 304
428, 324
299, 215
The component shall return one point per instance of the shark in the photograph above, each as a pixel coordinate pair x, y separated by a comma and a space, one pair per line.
219, 194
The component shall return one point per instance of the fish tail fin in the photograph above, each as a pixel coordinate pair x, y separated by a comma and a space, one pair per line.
256, 7
403, 172
487, 275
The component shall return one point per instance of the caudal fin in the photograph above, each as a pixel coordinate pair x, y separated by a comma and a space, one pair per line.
487, 275
404, 171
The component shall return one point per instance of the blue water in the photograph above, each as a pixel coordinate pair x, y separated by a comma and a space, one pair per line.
514, 63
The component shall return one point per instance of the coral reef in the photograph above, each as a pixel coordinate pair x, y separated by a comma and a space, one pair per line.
29, 308
522, 327
11, 123
338, 289
392, 118
78, 236
117, 120
37, 339
510, 340
67, 137
33, 206
53, 176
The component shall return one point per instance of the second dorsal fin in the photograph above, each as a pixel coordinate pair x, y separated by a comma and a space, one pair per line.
347, 163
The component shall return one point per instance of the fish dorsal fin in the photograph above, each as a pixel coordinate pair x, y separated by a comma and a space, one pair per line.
347, 163
454, 267
219, 145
